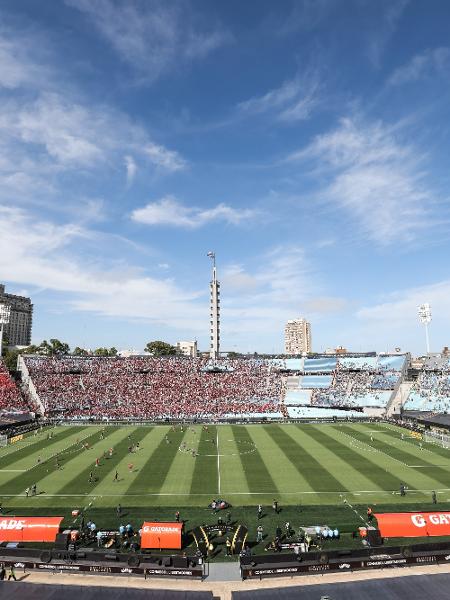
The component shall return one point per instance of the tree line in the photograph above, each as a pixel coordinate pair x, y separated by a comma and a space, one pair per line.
55, 347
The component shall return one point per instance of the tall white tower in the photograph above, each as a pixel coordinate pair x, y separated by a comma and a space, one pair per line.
214, 311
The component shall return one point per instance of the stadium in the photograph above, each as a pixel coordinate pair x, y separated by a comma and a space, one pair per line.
224, 300
288, 453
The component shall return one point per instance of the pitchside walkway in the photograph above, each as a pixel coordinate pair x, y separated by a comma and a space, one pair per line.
222, 590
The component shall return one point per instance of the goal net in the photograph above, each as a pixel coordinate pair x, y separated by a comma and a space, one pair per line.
3, 440
438, 438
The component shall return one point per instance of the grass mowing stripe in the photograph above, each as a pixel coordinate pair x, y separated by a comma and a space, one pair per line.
414, 442
350, 476
107, 465
154, 472
36, 447
37, 473
204, 477
440, 474
315, 473
378, 476
256, 472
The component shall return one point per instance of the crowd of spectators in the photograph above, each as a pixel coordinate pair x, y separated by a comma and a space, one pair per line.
349, 387
148, 387
10, 397
431, 392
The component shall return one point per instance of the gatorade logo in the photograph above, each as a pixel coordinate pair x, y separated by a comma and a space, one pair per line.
161, 529
12, 523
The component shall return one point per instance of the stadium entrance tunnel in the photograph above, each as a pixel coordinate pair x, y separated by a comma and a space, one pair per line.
210, 540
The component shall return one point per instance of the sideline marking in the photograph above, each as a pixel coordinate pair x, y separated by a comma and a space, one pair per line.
339, 493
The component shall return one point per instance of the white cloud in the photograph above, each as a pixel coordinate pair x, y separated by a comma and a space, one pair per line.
374, 177
18, 66
51, 134
152, 36
48, 256
164, 158
168, 211
294, 100
422, 65
131, 168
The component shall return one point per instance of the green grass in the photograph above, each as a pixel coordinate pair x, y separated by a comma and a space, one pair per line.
310, 469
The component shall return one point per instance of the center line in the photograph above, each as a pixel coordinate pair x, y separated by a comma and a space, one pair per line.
218, 459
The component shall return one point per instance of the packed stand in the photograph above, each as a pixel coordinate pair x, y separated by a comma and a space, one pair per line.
146, 387
348, 382
10, 397
431, 392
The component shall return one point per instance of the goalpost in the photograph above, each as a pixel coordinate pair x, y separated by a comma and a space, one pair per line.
437, 438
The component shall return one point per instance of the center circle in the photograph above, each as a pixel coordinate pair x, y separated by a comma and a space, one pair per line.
248, 447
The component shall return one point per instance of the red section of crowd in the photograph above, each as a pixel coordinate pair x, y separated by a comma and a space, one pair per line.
10, 398
146, 387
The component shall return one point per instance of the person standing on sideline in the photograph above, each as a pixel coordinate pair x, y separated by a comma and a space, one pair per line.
259, 534
116, 476
119, 511
434, 497
275, 506
259, 511
12, 573
228, 544
177, 516
2, 572
369, 514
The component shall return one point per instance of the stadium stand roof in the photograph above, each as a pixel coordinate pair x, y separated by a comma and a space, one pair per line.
413, 587
31, 591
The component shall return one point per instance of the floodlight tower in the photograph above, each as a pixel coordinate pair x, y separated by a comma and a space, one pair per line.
214, 311
5, 311
424, 312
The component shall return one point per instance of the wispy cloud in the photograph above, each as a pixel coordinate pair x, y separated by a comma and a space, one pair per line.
428, 63
305, 15
18, 64
152, 36
383, 33
47, 255
294, 100
261, 298
131, 169
378, 180
168, 211
46, 136
397, 312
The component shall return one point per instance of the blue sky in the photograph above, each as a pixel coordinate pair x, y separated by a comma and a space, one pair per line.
306, 142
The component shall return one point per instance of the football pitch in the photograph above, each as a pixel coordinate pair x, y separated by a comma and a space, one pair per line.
297, 464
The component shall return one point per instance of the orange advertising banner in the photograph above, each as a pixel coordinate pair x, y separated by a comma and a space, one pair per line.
161, 535
29, 529
415, 524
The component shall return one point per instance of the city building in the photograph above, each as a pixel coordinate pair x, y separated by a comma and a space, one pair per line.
297, 336
187, 349
18, 331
